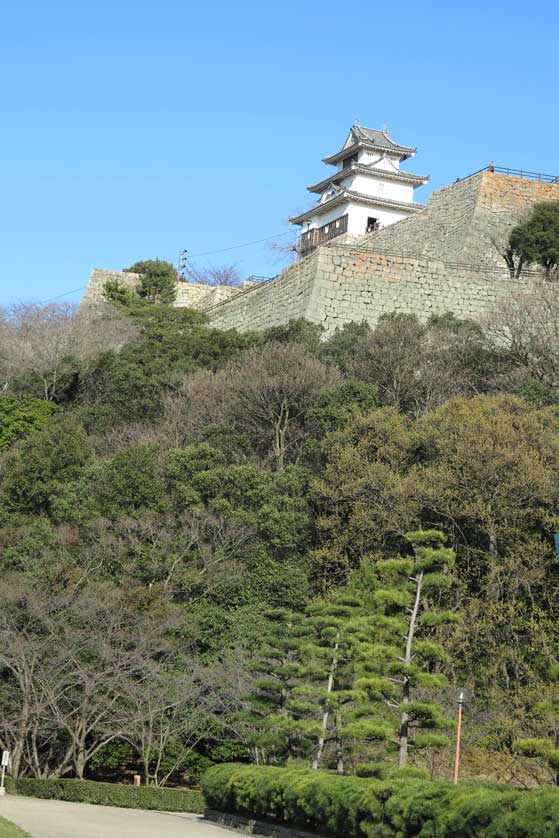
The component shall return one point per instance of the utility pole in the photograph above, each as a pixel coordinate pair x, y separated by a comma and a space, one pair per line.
461, 702
183, 261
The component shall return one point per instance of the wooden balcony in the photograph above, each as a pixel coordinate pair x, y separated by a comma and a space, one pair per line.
320, 235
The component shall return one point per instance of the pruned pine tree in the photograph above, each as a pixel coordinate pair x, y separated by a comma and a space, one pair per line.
544, 718
403, 664
274, 738
325, 706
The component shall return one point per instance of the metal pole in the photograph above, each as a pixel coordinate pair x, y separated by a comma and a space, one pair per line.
458, 737
2, 789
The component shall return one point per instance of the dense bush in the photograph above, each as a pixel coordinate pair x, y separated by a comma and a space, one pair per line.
110, 794
350, 807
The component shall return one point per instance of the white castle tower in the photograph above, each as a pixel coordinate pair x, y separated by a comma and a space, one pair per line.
366, 192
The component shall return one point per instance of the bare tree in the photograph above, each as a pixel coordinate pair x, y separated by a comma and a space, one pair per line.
46, 340
24, 653
526, 325
170, 712
68, 659
419, 366
265, 393
189, 556
103, 644
214, 275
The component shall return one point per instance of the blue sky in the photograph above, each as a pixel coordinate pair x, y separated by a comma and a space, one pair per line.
133, 130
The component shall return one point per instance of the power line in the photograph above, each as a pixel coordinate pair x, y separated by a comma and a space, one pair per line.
193, 256
65, 294
237, 246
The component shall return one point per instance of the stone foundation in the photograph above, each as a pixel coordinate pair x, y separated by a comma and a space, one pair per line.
255, 827
445, 258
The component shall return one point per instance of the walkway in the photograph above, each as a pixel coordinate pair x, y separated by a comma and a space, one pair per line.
58, 819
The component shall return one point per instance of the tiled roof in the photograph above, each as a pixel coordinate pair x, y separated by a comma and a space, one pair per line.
359, 197
356, 168
371, 137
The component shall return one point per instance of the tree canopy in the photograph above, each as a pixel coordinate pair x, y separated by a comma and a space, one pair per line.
319, 538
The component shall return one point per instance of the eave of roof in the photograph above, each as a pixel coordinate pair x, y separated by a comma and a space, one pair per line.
357, 197
379, 174
400, 151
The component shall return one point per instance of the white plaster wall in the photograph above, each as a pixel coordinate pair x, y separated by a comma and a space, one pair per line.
359, 213
379, 160
325, 218
383, 188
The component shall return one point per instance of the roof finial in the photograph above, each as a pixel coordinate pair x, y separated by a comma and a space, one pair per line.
386, 128
356, 121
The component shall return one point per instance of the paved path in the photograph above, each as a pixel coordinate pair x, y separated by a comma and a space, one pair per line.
58, 819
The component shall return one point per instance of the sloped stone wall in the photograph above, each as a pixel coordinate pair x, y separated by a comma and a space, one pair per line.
444, 258
353, 284
189, 294
271, 304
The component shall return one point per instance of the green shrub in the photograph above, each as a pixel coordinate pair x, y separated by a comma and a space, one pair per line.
110, 794
397, 807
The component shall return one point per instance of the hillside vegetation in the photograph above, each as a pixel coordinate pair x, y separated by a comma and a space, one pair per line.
272, 548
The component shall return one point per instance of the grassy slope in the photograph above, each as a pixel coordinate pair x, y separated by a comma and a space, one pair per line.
9, 830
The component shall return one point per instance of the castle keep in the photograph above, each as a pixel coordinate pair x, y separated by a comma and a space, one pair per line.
444, 257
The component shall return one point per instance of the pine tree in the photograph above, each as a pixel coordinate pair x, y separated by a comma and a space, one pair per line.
325, 704
277, 666
404, 657
545, 716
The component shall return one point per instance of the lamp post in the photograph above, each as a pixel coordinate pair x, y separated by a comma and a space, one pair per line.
461, 701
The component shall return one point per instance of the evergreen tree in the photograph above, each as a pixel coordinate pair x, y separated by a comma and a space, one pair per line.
275, 738
536, 241
325, 704
403, 666
545, 716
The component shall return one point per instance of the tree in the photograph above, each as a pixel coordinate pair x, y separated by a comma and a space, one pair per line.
19, 417
158, 281
424, 579
526, 326
342, 629
275, 668
536, 241
227, 275
39, 469
543, 717
265, 394
305, 705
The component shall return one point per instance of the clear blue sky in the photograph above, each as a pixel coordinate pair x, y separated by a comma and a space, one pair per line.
133, 129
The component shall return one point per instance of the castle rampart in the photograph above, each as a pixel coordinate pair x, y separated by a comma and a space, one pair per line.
448, 257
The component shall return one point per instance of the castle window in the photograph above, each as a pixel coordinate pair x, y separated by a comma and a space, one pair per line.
372, 224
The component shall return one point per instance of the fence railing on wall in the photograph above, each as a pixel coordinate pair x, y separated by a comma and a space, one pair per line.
521, 173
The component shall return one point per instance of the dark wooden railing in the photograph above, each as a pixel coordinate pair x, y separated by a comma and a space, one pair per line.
319, 235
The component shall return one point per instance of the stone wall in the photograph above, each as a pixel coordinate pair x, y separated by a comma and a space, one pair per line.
254, 826
444, 258
283, 299
189, 294
355, 284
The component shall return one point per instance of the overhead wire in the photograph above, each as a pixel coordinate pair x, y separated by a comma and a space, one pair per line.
191, 256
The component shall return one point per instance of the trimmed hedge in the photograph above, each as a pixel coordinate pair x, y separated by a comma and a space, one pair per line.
354, 807
110, 794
